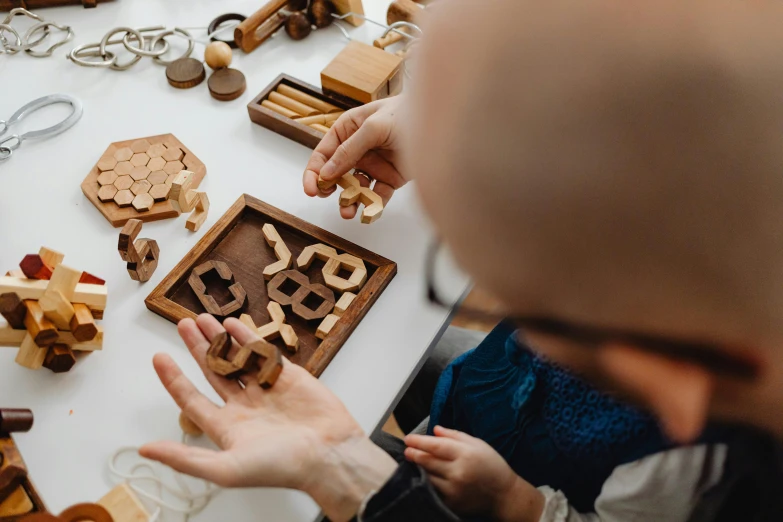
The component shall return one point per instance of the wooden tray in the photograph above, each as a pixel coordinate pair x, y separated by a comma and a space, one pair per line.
307, 136
237, 240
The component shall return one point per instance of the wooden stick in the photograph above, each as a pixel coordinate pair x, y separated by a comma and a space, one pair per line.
319, 127
309, 120
288, 113
305, 98
248, 35
296, 106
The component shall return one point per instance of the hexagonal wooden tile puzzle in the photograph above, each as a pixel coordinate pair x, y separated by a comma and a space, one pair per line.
132, 178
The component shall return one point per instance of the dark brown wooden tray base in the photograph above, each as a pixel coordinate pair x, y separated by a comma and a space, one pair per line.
237, 240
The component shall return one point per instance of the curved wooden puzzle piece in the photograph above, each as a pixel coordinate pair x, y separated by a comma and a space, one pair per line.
354, 192
218, 357
282, 253
142, 255
296, 300
277, 327
235, 288
271, 366
334, 263
330, 320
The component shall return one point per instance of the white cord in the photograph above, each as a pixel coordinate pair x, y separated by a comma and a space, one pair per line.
194, 502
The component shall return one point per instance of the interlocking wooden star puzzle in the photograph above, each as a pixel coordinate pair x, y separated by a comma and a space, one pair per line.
133, 179
50, 310
302, 289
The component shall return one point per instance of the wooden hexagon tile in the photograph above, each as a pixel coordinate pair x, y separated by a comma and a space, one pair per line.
132, 178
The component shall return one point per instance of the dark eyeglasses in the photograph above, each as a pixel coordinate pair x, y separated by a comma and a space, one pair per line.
708, 356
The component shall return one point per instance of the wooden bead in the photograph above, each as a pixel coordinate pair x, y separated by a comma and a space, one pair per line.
218, 55
188, 426
297, 26
320, 13
15, 420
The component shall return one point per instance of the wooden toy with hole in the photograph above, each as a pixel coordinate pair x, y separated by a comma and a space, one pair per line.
50, 312
303, 289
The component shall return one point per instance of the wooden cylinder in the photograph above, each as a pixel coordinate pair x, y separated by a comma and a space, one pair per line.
288, 113
249, 34
15, 420
332, 117
319, 127
296, 106
390, 39
309, 120
305, 98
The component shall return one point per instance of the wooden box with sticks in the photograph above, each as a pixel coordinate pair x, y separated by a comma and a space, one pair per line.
297, 110
302, 288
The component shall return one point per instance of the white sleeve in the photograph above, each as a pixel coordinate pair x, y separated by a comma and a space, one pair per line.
664, 486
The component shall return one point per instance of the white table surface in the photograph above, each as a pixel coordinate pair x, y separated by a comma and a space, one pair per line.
113, 398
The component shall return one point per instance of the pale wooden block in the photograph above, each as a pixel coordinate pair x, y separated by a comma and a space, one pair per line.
57, 309
51, 257
17, 273
90, 346
16, 504
319, 250
11, 338
284, 257
326, 326
64, 279
343, 303
199, 215
350, 6
94, 296
30, 354
123, 505
248, 321
180, 186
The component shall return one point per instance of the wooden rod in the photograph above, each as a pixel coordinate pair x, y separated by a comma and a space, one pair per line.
296, 106
288, 113
305, 98
308, 120
319, 127
248, 35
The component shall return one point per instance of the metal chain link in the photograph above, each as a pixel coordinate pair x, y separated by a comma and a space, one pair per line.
26, 43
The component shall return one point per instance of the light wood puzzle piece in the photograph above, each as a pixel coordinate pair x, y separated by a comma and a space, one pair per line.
123, 505
182, 192
354, 192
284, 257
277, 327
199, 215
334, 264
141, 255
306, 292
330, 320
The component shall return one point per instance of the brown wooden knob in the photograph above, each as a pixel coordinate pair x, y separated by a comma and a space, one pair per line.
15, 420
403, 11
218, 55
320, 13
297, 26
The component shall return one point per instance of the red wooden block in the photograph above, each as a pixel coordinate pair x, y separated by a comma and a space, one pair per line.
90, 279
34, 267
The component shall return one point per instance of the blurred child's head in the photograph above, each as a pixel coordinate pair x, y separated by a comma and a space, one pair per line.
618, 165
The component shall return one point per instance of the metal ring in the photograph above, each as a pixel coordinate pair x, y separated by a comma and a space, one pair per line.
38, 104
5, 127
217, 22
5, 153
10, 138
45, 27
78, 54
6, 48
21, 11
142, 52
102, 47
173, 32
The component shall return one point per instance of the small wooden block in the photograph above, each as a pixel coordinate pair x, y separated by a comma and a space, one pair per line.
90, 279
13, 310
57, 309
160, 192
140, 159
271, 366
185, 73
182, 183
10, 337
326, 326
140, 146
156, 151
199, 215
106, 163
343, 303
93, 296
361, 72
350, 6
123, 154
31, 355
128, 235
107, 178
173, 167
107, 193
90, 346
143, 202
156, 163
284, 257
141, 187
173, 154
16, 504
42, 330
82, 324
64, 280
226, 84
188, 426
124, 182
34, 267
294, 105
51, 257
123, 168
59, 359
140, 173
158, 177
123, 505
124, 198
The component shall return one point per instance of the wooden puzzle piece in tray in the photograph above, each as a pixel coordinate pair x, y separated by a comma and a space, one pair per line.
131, 178
323, 283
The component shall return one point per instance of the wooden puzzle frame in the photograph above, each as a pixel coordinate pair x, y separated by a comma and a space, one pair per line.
118, 216
247, 208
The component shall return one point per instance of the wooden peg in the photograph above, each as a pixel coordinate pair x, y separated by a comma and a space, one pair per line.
15, 420
83, 325
57, 309
51, 257
41, 330
259, 26
59, 358
343, 303
309, 120
288, 113
289, 103
319, 127
64, 280
34, 267
200, 213
326, 326
31, 355
13, 310
282, 253
311, 101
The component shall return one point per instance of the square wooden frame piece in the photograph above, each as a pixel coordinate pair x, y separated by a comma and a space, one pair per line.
384, 270
162, 210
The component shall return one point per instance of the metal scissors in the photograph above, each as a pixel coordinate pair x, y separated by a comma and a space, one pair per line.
10, 143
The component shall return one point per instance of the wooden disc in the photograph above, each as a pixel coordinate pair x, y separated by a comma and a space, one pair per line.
226, 84
185, 73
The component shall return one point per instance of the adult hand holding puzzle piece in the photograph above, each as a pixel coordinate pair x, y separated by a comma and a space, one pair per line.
296, 434
367, 138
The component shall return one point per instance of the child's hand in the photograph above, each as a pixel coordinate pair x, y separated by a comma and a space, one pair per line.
473, 478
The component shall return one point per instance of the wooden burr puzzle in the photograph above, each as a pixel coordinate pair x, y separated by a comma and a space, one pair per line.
301, 288
50, 310
18, 496
133, 179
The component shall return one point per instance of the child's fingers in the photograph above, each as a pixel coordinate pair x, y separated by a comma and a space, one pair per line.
442, 448
440, 431
432, 464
